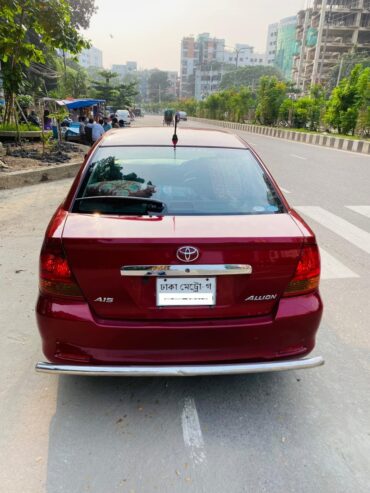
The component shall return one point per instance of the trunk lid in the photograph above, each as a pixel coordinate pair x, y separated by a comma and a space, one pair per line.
98, 246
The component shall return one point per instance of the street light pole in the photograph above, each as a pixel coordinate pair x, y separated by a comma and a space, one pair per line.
237, 51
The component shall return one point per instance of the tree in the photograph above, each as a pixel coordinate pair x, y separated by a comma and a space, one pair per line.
317, 106
104, 89
73, 81
158, 84
189, 105
363, 91
19, 18
304, 112
345, 67
248, 76
345, 101
241, 104
270, 95
81, 12
107, 75
41, 79
125, 95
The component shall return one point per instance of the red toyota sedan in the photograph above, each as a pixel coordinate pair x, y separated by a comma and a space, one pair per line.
177, 260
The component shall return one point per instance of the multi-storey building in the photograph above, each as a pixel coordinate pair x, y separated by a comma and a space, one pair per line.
326, 32
205, 59
131, 67
189, 58
119, 69
172, 89
286, 45
243, 55
197, 53
145, 87
271, 41
91, 57
124, 69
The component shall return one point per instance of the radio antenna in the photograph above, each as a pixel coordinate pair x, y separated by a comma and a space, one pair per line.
175, 139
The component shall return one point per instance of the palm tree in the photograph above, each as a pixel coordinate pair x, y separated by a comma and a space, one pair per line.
108, 75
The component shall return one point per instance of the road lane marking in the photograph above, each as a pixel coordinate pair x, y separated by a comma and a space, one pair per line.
331, 268
284, 190
299, 157
364, 210
192, 432
343, 228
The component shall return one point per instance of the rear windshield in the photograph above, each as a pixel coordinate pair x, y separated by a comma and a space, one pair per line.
185, 181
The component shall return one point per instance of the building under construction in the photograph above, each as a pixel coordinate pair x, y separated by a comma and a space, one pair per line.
326, 32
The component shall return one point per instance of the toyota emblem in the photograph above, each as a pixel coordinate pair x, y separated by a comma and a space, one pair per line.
187, 253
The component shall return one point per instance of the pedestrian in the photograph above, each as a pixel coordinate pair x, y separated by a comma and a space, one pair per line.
106, 125
121, 123
34, 119
115, 122
82, 122
47, 120
97, 130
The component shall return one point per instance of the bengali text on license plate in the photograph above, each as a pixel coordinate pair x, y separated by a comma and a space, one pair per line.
178, 291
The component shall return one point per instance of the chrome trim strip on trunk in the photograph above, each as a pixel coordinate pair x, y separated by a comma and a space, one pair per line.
186, 270
179, 370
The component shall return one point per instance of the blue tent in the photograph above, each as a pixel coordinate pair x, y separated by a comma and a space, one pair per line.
79, 103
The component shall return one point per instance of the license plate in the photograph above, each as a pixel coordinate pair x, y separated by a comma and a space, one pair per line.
182, 291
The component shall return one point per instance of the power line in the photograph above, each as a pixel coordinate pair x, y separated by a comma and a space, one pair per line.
44, 71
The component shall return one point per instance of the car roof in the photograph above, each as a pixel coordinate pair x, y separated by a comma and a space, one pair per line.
162, 136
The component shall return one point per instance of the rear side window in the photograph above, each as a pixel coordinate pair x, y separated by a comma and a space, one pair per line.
185, 181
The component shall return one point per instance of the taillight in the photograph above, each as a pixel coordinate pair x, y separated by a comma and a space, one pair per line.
307, 274
55, 275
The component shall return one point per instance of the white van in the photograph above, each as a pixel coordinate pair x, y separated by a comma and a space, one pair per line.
123, 115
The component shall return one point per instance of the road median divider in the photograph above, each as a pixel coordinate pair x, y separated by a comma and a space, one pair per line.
328, 140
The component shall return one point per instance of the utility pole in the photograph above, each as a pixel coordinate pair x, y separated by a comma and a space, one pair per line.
237, 51
236, 58
325, 42
318, 42
303, 46
340, 70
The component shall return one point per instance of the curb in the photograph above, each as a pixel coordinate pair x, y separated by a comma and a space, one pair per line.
17, 179
359, 146
27, 134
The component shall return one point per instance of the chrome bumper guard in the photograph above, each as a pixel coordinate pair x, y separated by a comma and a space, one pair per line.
180, 370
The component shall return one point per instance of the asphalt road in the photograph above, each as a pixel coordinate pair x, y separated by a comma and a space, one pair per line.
306, 431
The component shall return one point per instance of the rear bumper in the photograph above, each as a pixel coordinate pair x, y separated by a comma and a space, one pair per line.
72, 335
179, 371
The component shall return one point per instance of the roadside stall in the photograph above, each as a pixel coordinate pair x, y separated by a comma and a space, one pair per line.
74, 109
87, 107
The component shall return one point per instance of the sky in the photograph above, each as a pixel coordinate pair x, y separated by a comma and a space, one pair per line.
150, 31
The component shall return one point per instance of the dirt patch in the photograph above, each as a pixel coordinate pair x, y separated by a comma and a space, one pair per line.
30, 156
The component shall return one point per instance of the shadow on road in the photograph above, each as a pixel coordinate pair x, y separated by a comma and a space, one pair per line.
125, 434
